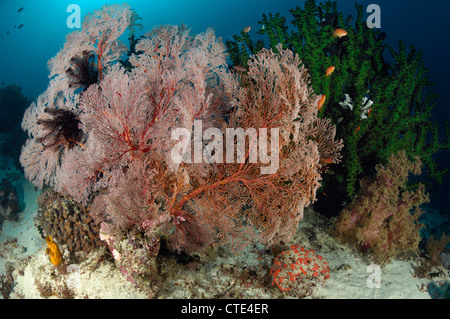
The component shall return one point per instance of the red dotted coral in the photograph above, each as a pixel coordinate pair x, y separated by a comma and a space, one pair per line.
298, 271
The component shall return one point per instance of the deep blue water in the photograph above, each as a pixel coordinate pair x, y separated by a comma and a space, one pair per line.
24, 52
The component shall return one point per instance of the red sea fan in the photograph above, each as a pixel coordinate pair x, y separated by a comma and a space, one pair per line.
242, 200
123, 163
183, 71
89, 51
129, 115
52, 121
136, 203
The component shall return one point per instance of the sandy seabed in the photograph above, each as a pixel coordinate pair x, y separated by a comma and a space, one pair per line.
214, 274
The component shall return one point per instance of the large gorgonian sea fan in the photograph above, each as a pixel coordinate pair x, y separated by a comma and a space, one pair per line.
52, 121
88, 53
52, 129
123, 164
129, 115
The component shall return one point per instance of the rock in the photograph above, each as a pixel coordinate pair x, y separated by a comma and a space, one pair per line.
9, 202
344, 267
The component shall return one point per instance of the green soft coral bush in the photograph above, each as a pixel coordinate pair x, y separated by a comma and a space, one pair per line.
390, 105
383, 218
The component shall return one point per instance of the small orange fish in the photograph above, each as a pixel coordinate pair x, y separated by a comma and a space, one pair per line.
339, 33
370, 110
328, 161
357, 129
330, 70
246, 29
240, 68
321, 101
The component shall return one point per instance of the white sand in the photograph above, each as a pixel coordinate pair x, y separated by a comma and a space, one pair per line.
215, 276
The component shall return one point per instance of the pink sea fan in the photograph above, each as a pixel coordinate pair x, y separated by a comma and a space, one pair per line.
50, 132
98, 40
54, 116
176, 61
135, 203
122, 165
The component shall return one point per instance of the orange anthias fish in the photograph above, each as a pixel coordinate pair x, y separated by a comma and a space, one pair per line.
321, 101
330, 70
246, 29
339, 33
240, 68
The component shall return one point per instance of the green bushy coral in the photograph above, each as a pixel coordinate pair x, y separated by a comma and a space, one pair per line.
398, 119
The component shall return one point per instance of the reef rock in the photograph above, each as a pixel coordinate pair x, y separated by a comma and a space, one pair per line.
9, 202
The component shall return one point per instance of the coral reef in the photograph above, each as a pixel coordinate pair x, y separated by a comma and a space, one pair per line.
123, 166
396, 104
68, 223
435, 257
297, 271
134, 256
9, 202
380, 219
7, 281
